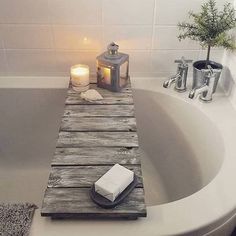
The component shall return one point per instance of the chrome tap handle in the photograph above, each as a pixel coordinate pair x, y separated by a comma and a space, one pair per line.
181, 76
183, 61
210, 70
208, 73
182, 71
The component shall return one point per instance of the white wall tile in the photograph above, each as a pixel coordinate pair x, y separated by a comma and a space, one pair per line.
228, 76
24, 11
165, 37
117, 12
66, 59
139, 61
77, 37
163, 61
27, 36
82, 12
172, 12
229, 60
1, 37
31, 62
3, 64
129, 37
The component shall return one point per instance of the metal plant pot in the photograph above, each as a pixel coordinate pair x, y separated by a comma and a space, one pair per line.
198, 79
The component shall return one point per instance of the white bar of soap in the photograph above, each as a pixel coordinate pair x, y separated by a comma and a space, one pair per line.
114, 182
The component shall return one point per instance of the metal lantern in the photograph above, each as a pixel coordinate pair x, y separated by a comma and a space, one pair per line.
112, 69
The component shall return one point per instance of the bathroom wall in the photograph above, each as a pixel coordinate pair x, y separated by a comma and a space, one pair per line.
228, 78
46, 37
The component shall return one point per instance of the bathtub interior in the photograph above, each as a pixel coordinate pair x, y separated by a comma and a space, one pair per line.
182, 148
29, 121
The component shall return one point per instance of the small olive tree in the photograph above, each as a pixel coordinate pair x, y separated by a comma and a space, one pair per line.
210, 27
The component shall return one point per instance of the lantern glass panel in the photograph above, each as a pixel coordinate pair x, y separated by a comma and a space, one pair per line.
106, 75
124, 74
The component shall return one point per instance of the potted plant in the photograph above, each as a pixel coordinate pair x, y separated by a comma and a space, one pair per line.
210, 28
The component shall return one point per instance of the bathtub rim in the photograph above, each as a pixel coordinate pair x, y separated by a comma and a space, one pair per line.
206, 217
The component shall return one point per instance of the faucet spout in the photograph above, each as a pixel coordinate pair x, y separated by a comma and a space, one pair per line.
197, 91
170, 81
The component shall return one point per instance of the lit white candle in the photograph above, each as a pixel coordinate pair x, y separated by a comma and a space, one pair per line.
80, 77
107, 75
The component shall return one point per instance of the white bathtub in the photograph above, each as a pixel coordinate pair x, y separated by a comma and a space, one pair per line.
188, 166
189, 159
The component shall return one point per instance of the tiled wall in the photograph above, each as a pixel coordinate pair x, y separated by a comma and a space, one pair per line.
46, 37
228, 78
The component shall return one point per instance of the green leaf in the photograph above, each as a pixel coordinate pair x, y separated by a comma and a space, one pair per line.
210, 26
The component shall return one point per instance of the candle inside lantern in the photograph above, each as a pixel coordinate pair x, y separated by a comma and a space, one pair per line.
80, 77
107, 75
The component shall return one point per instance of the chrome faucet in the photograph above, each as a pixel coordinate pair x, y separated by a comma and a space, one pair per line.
180, 78
206, 90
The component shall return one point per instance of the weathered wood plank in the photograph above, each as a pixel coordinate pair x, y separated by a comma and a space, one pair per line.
99, 110
108, 98
75, 202
105, 139
127, 89
76, 100
82, 176
96, 156
98, 124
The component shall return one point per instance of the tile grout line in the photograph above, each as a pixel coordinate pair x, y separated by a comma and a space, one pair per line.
102, 15
153, 35
50, 18
5, 55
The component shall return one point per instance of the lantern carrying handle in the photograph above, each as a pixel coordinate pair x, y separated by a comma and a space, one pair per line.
112, 48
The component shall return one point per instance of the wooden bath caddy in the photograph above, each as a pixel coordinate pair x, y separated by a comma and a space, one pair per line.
93, 137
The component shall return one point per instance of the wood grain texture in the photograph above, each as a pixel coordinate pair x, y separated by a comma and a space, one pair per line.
96, 139
98, 124
82, 176
99, 110
124, 97
96, 156
75, 202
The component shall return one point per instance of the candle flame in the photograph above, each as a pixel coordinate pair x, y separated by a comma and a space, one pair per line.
80, 70
107, 75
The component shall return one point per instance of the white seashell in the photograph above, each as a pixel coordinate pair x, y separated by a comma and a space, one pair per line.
91, 95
